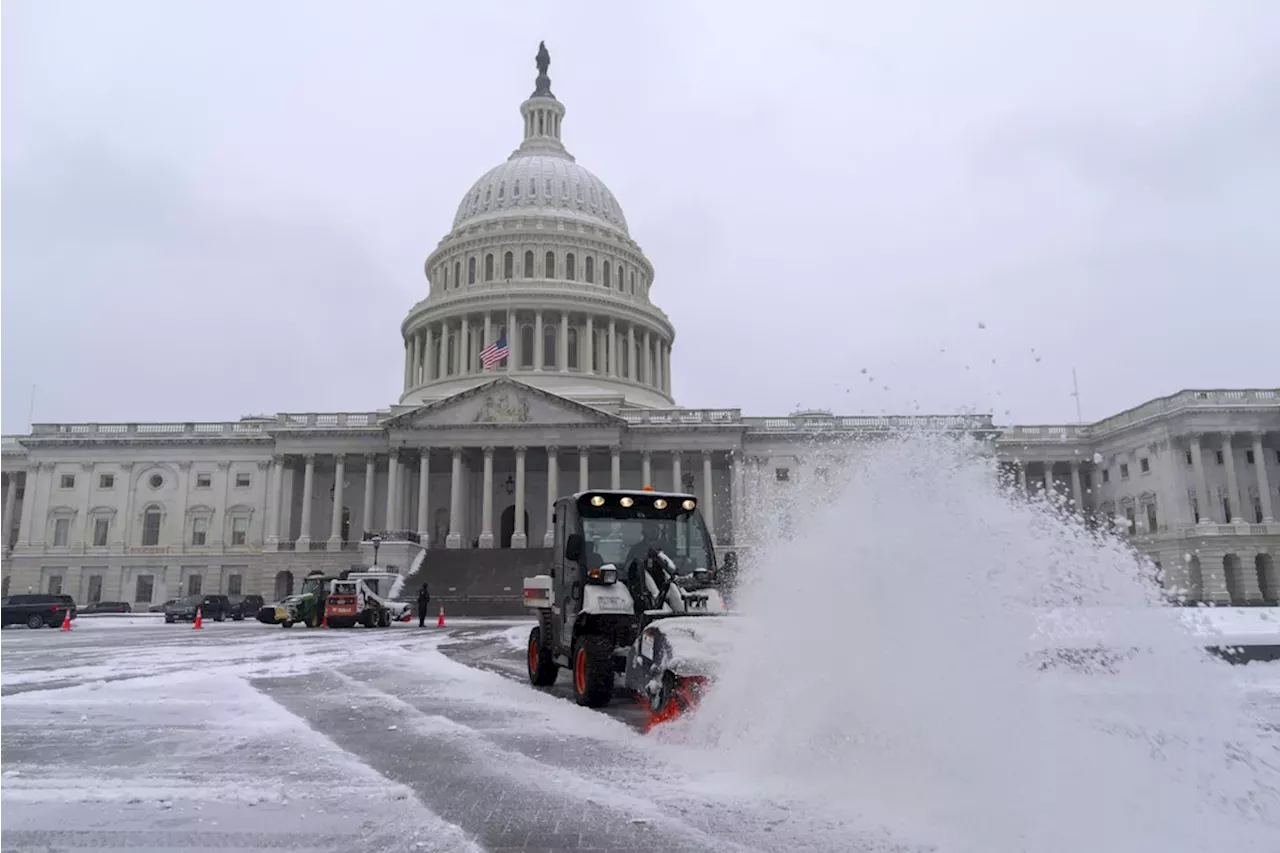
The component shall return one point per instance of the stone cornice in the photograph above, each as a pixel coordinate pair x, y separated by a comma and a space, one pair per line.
538, 238
577, 298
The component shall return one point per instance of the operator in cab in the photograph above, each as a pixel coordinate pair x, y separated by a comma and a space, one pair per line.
654, 538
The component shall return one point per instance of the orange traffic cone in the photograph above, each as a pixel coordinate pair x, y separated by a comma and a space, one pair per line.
440, 621
66, 620
199, 618
324, 620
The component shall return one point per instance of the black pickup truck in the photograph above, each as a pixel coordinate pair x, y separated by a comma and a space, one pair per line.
36, 611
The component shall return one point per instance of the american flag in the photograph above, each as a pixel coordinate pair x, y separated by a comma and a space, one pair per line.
494, 353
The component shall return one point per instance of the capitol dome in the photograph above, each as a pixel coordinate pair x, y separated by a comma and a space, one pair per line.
541, 183
539, 279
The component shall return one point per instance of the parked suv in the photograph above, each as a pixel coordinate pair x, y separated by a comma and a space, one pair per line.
215, 607
36, 611
108, 607
245, 605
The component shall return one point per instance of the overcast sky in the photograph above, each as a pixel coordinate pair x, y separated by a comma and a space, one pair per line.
217, 209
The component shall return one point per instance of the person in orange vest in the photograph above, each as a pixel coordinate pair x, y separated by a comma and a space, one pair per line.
424, 601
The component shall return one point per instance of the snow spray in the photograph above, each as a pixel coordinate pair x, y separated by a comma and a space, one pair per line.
900, 589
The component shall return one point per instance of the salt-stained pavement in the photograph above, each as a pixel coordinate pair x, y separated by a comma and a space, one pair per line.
135, 735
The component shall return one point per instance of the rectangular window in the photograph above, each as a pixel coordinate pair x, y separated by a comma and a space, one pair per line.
61, 529
106, 481
239, 530
1153, 525
1195, 508
1133, 521
234, 584
67, 481
782, 475
55, 585
101, 527
1106, 475
151, 528
144, 588
199, 531
1248, 457
1218, 456
1189, 459
195, 584
243, 481
1145, 465
1257, 510
1086, 480
95, 589
1124, 470
204, 481
1226, 510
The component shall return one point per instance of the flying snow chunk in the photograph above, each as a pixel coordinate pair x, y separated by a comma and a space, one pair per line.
1097, 459
864, 370
982, 325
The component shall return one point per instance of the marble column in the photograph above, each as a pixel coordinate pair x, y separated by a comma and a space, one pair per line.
646, 468
1022, 476
273, 500
520, 538
537, 340
563, 358
464, 347
1048, 479
428, 355
370, 478
444, 351
553, 487
708, 489
615, 466
393, 489
591, 345
584, 472
308, 483
10, 501
1077, 493
454, 539
613, 347
676, 474
1233, 485
1264, 487
632, 368
736, 496
513, 342
1202, 489
424, 497
486, 518
335, 526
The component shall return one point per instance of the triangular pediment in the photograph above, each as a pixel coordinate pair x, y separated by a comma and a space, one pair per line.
503, 402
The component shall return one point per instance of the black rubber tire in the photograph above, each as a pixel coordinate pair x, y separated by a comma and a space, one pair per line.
35, 620
286, 623
221, 616
384, 618
593, 670
543, 670
665, 693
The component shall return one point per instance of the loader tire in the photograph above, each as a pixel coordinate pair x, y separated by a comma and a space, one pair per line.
593, 670
543, 669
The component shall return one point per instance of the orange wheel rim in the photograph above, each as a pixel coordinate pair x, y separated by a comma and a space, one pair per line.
533, 656
580, 671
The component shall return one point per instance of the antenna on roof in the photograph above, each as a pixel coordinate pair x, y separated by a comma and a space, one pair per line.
1075, 392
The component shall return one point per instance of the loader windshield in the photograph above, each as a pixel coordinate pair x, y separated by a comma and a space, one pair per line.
617, 534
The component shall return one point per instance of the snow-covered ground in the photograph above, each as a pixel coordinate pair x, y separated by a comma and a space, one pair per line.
133, 734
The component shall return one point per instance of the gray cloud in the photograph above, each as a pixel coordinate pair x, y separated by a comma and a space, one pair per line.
212, 210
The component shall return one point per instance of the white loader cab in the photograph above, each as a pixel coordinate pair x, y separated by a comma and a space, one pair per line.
625, 564
366, 598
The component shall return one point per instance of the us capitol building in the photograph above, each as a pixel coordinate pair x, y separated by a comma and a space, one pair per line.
541, 258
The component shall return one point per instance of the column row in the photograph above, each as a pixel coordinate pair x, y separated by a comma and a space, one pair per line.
561, 341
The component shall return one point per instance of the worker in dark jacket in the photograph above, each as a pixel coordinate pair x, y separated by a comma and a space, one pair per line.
424, 601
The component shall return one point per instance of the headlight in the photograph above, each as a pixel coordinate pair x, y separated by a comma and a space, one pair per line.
689, 505
626, 501
606, 575
597, 500
660, 503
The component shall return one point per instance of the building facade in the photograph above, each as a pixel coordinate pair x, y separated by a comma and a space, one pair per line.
538, 365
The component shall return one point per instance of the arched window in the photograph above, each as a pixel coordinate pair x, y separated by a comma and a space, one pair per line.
457, 274
471, 270
573, 348
549, 265
621, 268
444, 272
570, 267
526, 346
151, 526
508, 265
549, 346
528, 264
451, 353
605, 274
633, 282
590, 269
488, 270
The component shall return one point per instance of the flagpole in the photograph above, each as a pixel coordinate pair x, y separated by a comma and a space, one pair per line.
1075, 385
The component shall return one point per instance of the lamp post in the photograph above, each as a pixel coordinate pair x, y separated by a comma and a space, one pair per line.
376, 540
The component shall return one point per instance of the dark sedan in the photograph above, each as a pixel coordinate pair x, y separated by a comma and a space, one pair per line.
215, 607
244, 605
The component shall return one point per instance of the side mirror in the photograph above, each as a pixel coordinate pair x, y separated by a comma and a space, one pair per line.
573, 547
